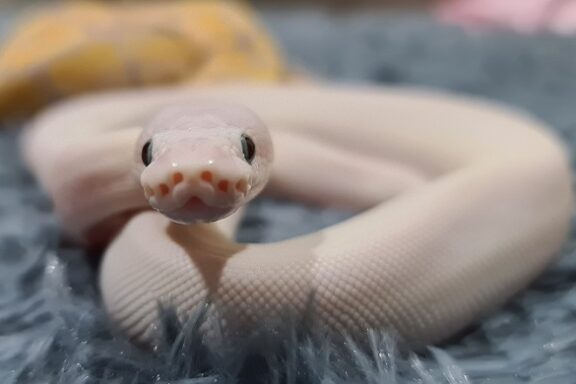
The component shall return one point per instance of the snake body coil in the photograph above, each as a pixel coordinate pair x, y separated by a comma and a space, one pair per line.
463, 204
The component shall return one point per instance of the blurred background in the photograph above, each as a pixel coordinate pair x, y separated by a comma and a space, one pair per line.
521, 53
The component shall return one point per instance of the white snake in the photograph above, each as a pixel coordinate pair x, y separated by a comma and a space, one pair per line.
464, 203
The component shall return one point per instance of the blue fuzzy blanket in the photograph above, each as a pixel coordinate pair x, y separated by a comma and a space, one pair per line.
53, 328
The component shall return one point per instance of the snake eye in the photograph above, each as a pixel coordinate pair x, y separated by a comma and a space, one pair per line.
248, 148
147, 153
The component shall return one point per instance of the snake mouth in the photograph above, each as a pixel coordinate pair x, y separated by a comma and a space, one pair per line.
194, 196
195, 210
195, 203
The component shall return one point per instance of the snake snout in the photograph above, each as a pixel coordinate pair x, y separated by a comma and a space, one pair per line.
206, 191
231, 187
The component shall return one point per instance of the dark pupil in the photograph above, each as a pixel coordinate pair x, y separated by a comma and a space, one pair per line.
248, 148
147, 153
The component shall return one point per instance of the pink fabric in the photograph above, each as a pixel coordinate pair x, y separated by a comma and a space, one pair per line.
525, 16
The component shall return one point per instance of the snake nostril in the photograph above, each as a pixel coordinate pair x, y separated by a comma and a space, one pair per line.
223, 185
177, 177
242, 186
206, 176
149, 192
164, 189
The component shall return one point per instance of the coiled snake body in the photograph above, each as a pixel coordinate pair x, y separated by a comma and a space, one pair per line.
463, 203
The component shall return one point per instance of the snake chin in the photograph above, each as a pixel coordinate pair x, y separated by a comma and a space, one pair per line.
195, 210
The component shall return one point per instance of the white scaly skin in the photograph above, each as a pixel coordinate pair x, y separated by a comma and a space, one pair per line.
464, 204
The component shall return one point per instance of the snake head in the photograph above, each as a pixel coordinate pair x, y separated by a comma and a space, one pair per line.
199, 162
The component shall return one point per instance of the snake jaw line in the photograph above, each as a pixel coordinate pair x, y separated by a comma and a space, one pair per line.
205, 197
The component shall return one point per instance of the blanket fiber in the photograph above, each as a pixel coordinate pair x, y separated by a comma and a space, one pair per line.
52, 325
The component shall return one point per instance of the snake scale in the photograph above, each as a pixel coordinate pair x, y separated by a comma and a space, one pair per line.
461, 203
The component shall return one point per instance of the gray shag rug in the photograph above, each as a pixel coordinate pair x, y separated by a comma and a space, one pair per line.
53, 328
